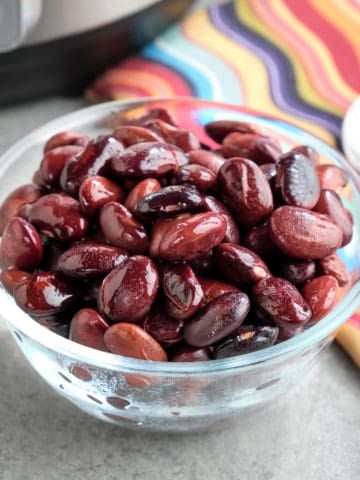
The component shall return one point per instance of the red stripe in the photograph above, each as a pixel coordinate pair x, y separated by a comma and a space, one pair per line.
339, 47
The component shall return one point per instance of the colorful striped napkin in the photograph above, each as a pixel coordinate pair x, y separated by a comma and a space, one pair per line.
297, 60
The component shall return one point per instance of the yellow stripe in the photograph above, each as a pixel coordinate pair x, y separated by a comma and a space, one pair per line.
344, 18
255, 81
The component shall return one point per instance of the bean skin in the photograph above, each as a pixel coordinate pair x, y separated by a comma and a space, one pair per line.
320, 293
192, 354
219, 129
296, 271
66, 138
332, 177
121, 229
11, 278
139, 191
171, 201
87, 328
333, 265
191, 238
160, 227
128, 291
54, 161
214, 288
132, 134
207, 159
309, 152
212, 204
164, 328
246, 190
217, 319
203, 178
258, 240
132, 341
181, 138
281, 301
305, 234
96, 191
258, 148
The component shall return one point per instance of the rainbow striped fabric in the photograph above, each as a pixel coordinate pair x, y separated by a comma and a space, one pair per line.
297, 60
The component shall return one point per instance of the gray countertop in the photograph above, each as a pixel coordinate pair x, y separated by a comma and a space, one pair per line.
311, 433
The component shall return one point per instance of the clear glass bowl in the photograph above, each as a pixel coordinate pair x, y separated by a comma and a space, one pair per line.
172, 396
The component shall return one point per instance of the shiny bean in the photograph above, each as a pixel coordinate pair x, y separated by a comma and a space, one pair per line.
170, 201
333, 265
128, 291
258, 240
239, 265
89, 260
219, 129
296, 271
62, 139
246, 190
210, 160
246, 339
181, 138
214, 288
87, 327
281, 301
139, 191
59, 216
94, 160
203, 178
11, 278
54, 161
121, 229
309, 152
21, 245
164, 328
297, 181
258, 148
332, 177
330, 204
192, 237
320, 293
192, 354
96, 191
45, 293
147, 159
132, 134
182, 290
212, 204
217, 319
269, 170
289, 229
132, 341
18, 197
160, 227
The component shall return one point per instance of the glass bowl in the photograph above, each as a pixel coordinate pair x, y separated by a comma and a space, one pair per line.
172, 397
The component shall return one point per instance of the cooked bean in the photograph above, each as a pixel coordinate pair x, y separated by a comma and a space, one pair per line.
54, 161
219, 129
214, 288
171, 201
139, 191
164, 328
210, 160
96, 191
192, 354
333, 265
11, 278
132, 134
309, 152
87, 328
212, 204
203, 178
320, 293
332, 177
296, 271
258, 148
62, 139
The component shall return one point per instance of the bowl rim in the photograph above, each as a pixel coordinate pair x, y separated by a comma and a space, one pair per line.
50, 340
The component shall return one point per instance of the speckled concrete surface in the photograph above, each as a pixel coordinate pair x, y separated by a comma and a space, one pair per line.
311, 433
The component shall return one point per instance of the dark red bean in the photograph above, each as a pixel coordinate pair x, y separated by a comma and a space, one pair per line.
301, 233
181, 138
94, 160
192, 237
12, 203
152, 114
45, 293
246, 190
210, 160
59, 216
87, 328
258, 240
182, 290
332, 177
21, 245
214, 288
330, 204
309, 152
212, 204
269, 170
219, 129
296, 271
217, 319
171, 200
290, 331
246, 339
333, 265
297, 181
11, 278
128, 292
320, 293
121, 229
62, 139
258, 148
203, 265
281, 301
203, 178
89, 259
96, 191
158, 230
192, 354
54, 161
132, 341
139, 191
239, 264
132, 134
147, 159
163, 328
